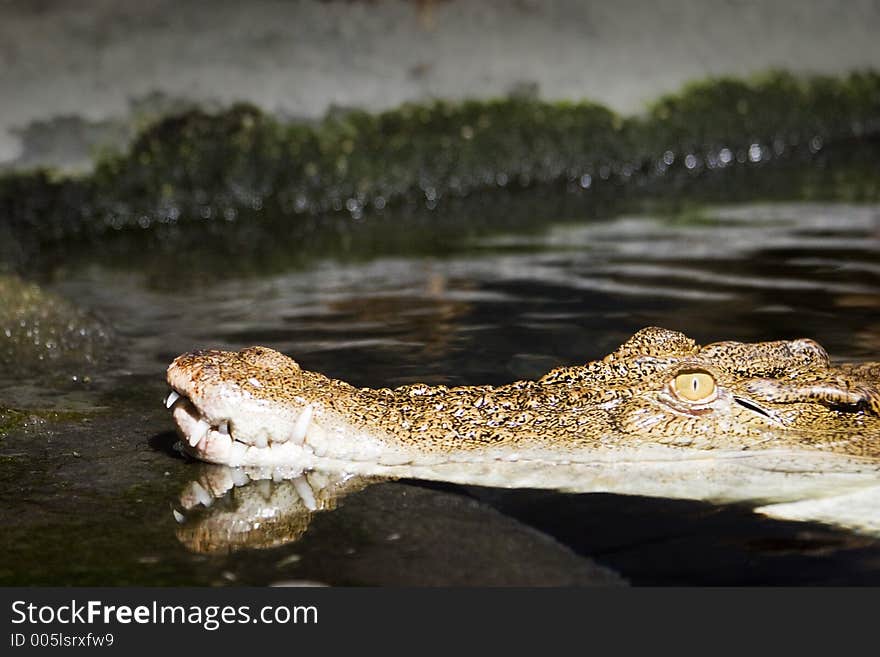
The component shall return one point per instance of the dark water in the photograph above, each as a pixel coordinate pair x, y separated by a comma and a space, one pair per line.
105, 499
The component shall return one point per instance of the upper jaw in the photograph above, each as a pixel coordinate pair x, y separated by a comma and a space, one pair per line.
201, 438
210, 434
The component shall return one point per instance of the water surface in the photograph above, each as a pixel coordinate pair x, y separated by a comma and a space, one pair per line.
105, 499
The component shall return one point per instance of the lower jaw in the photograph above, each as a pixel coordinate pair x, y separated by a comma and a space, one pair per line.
225, 451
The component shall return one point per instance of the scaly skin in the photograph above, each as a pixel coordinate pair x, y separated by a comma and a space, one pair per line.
661, 415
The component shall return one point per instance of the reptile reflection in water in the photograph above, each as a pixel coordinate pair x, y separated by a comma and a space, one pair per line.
384, 534
227, 509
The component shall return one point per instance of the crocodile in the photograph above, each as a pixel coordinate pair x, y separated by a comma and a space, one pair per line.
774, 424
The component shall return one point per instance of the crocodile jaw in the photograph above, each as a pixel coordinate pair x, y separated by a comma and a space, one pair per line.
233, 428
215, 441
298, 441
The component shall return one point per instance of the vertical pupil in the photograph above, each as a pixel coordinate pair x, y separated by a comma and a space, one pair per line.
694, 386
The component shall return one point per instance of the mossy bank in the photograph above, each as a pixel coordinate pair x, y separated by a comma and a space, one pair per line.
241, 163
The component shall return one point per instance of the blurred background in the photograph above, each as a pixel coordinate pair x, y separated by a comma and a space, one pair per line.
395, 191
76, 76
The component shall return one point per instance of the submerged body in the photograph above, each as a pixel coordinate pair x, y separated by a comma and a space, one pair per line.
767, 423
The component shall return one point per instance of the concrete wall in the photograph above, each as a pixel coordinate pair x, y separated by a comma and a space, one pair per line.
72, 74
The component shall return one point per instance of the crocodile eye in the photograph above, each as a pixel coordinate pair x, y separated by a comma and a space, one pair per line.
694, 386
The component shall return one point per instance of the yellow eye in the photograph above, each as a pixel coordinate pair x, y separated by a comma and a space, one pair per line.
694, 386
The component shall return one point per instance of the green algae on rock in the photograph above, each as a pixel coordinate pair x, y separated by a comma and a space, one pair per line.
214, 167
42, 333
239, 164
775, 110
10, 419
29, 418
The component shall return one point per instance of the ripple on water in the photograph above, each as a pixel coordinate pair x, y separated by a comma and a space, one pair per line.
512, 306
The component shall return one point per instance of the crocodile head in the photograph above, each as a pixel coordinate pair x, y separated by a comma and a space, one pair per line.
660, 386
657, 416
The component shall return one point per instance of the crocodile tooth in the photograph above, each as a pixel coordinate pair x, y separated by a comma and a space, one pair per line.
200, 432
261, 441
179, 518
264, 487
301, 485
220, 480
302, 425
203, 496
172, 397
223, 428
220, 447
240, 477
